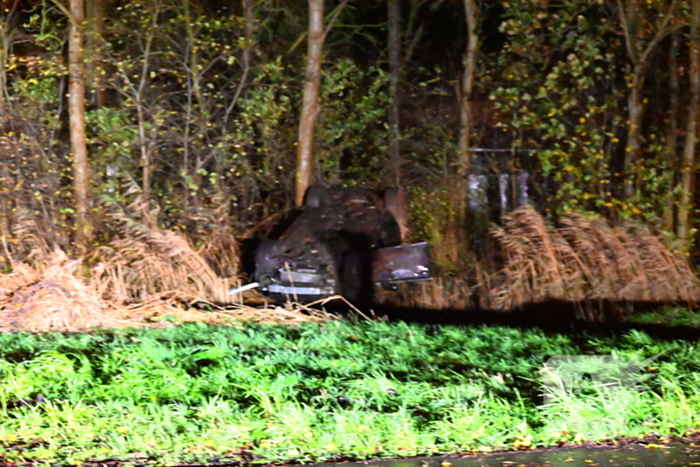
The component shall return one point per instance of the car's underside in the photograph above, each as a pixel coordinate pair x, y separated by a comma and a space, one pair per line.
340, 243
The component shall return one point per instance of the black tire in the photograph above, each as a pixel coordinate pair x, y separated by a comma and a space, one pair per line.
355, 275
265, 264
314, 196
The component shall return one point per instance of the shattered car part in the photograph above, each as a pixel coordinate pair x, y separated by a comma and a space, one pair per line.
403, 263
340, 243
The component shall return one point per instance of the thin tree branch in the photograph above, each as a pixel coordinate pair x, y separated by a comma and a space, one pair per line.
334, 16
661, 32
249, 14
412, 45
625, 28
303, 35
64, 9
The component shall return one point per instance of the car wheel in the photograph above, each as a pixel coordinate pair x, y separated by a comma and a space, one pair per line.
314, 196
264, 258
266, 266
355, 274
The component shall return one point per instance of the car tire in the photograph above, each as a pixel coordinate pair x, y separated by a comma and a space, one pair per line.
314, 196
355, 274
266, 266
265, 263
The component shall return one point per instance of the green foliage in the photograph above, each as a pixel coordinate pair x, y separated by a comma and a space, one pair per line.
351, 123
316, 392
215, 142
669, 317
434, 215
219, 116
555, 99
563, 97
259, 146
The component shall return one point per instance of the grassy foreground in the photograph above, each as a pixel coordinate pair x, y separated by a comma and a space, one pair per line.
313, 392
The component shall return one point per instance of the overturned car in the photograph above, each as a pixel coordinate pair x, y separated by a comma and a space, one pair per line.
341, 242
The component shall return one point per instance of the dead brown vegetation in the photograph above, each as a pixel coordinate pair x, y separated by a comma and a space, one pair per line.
54, 298
149, 274
152, 262
57, 295
439, 294
146, 277
586, 259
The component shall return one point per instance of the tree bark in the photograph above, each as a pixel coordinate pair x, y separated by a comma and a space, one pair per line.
144, 143
634, 146
466, 111
688, 162
8, 35
672, 134
76, 110
394, 27
633, 26
97, 73
310, 105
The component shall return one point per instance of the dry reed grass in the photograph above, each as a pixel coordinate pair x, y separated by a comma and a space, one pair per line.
586, 259
146, 277
132, 269
147, 261
55, 295
149, 276
441, 293
53, 299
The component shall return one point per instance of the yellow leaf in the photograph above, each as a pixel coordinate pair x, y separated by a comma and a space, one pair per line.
525, 442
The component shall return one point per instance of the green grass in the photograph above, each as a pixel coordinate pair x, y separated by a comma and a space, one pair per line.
316, 392
671, 316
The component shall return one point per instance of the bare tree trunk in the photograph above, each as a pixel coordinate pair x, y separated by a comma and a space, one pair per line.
310, 106
638, 51
8, 35
96, 73
635, 110
688, 163
466, 111
76, 110
194, 95
136, 92
672, 135
468, 226
145, 157
144, 143
394, 26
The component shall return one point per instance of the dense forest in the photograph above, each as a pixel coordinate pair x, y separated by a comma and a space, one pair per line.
207, 117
